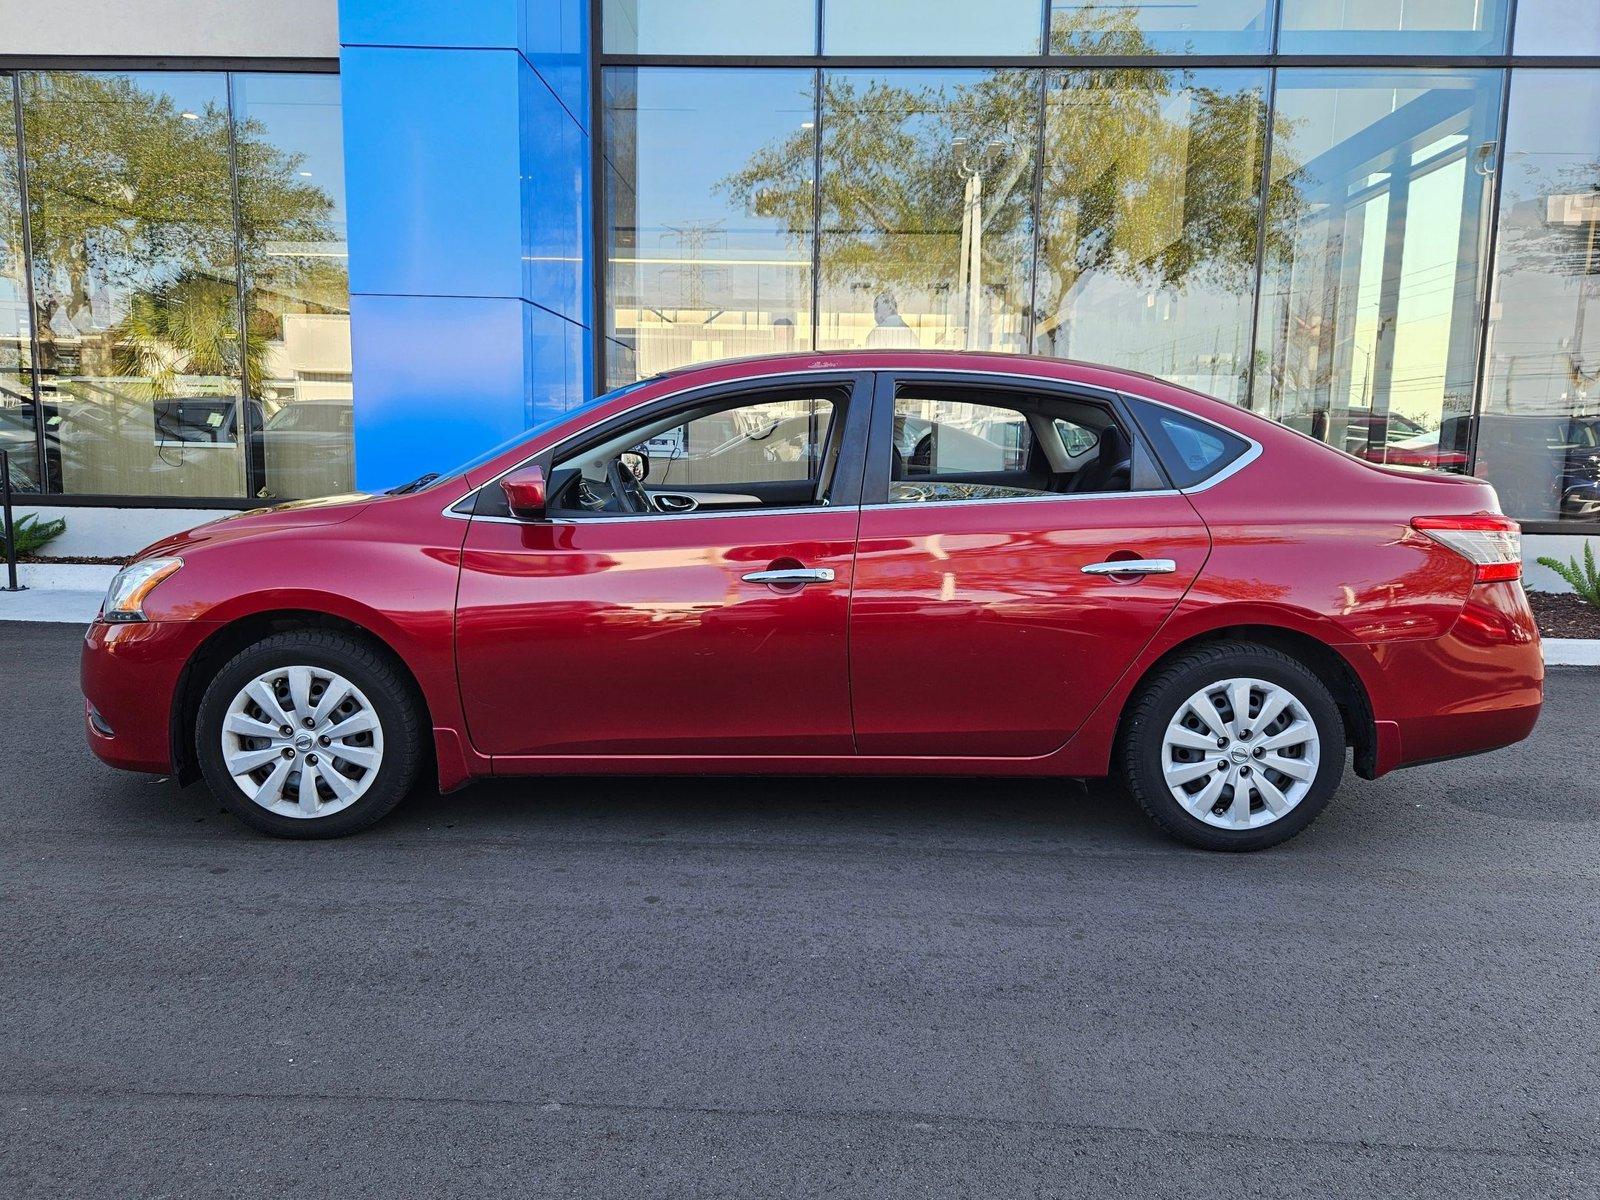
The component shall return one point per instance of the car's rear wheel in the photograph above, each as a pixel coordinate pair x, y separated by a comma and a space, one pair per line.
309, 734
1233, 747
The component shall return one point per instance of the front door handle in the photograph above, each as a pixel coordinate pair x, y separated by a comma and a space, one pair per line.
1133, 566
791, 576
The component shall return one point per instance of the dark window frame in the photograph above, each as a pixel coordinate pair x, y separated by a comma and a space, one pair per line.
880, 461
12, 66
1504, 60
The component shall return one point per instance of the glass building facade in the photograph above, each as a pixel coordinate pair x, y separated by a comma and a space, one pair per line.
1377, 223
174, 295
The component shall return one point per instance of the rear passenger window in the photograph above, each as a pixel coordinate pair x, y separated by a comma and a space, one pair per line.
951, 442
1190, 449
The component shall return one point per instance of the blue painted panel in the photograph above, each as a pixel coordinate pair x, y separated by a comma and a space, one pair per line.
555, 201
495, 23
438, 379
467, 163
433, 170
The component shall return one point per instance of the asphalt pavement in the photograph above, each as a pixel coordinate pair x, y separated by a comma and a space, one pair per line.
793, 988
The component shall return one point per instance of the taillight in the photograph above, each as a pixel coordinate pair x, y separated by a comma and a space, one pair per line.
1490, 542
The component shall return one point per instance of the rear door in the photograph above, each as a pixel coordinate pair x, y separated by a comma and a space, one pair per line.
988, 619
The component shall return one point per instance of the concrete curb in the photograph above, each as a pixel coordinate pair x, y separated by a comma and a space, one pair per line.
1572, 652
66, 577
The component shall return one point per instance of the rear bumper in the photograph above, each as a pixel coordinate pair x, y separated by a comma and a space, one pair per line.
1478, 688
129, 675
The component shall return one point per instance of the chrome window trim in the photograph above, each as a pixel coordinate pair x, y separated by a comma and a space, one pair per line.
696, 515
1060, 497
803, 374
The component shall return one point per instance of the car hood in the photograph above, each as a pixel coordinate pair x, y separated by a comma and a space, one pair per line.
296, 514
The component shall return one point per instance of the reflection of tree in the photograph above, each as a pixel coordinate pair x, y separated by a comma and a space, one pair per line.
133, 198
1152, 176
189, 326
891, 167
1149, 175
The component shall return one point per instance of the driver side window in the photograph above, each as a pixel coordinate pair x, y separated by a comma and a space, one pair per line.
725, 455
769, 442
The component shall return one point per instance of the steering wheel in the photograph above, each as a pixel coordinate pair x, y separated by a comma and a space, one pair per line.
627, 488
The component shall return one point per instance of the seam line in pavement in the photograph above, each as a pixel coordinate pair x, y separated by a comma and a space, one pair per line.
876, 1116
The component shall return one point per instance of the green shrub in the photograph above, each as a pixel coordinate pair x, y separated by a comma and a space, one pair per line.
1583, 577
33, 536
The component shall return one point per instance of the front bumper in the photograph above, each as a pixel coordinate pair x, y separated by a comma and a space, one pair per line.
130, 676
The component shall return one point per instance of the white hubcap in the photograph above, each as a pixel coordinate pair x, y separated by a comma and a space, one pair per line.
302, 741
1240, 753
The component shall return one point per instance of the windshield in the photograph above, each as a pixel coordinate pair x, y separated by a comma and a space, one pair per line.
517, 439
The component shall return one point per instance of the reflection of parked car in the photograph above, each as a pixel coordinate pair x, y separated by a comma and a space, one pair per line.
1386, 437
1545, 467
306, 449
17, 437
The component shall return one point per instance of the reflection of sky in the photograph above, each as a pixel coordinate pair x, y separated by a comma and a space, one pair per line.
300, 113
695, 128
932, 27
1208, 26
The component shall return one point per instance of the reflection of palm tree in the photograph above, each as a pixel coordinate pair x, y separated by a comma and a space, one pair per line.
187, 327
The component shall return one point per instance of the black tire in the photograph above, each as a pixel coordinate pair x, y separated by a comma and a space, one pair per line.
385, 686
1140, 746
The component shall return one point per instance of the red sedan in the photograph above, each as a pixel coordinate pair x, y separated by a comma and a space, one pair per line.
867, 563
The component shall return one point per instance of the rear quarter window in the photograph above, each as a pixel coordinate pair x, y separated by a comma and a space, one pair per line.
1190, 449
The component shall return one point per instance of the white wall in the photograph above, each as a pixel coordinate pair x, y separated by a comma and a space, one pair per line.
1561, 546
114, 532
222, 28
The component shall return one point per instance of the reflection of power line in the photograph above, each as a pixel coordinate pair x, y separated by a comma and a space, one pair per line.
693, 239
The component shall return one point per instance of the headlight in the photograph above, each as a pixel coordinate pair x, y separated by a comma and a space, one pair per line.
126, 595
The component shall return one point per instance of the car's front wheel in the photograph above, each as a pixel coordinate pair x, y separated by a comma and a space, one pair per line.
1233, 747
309, 734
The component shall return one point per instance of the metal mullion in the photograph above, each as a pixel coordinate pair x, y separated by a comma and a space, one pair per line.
1038, 206
243, 422
598, 182
1270, 113
1491, 255
816, 203
166, 62
816, 179
934, 62
41, 443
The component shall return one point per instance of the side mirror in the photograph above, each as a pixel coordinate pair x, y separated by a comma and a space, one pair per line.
525, 492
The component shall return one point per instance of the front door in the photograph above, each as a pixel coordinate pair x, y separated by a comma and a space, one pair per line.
989, 617
688, 591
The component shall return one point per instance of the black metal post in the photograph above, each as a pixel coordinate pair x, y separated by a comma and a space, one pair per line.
10, 526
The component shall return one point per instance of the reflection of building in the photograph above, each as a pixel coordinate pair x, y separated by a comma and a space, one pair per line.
1376, 272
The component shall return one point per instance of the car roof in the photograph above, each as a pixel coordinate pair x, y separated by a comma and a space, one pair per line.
998, 362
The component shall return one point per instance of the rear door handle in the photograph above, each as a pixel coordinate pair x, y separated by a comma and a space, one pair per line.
1133, 566
796, 575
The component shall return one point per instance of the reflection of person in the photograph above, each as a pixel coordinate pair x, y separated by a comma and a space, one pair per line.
889, 328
